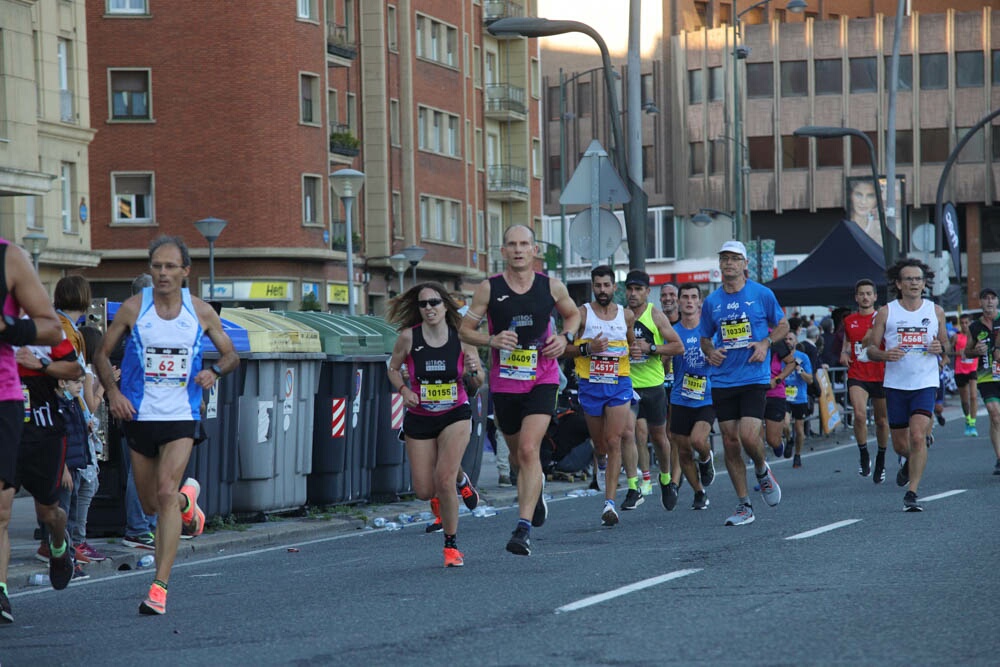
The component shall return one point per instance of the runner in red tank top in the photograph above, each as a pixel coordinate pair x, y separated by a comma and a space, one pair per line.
864, 380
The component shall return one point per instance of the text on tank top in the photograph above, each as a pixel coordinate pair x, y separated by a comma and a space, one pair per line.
436, 372
528, 316
608, 366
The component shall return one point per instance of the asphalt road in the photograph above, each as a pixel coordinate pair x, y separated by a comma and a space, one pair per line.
837, 574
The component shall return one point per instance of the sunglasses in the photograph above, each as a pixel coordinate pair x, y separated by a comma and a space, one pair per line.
430, 303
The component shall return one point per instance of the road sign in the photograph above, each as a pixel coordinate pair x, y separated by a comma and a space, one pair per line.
611, 188
609, 234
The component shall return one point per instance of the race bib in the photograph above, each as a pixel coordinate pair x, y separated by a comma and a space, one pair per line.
27, 403
791, 391
736, 334
167, 366
519, 364
693, 387
604, 370
912, 339
995, 368
439, 396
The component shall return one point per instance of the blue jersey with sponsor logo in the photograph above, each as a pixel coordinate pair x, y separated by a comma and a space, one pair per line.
733, 322
796, 389
692, 385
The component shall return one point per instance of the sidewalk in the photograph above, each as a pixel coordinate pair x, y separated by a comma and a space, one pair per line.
245, 537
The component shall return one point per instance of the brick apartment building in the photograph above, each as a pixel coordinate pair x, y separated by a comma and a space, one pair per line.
687, 152
242, 115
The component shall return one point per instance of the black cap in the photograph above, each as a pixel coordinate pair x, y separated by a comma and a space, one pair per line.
986, 291
637, 277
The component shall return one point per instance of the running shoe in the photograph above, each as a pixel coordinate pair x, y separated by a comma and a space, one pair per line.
700, 501
155, 602
797, 461
706, 470
742, 516
878, 476
6, 615
973, 433
453, 557
541, 509
668, 496
601, 478
609, 517
194, 518
144, 541
940, 420
79, 574
519, 544
504, 480
903, 475
92, 555
769, 488
865, 467
633, 499
646, 488
910, 503
436, 525
43, 554
968, 430
789, 448
469, 494
930, 440
996, 468
61, 568
778, 451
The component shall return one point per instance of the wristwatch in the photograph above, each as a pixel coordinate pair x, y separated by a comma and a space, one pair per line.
44, 361
652, 348
570, 337
215, 369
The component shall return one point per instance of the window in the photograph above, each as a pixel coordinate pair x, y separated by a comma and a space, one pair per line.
696, 86
31, 217
904, 146
701, 11
995, 70
828, 77
726, 14
132, 195
996, 142
697, 158
536, 79
477, 67
352, 113
440, 219
397, 214
905, 72
63, 51
859, 149
933, 71
554, 175
437, 132
491, 68
584, 100
394, 122
553, 99
760, 80
829, 152
975, 149
760, 153
311, 199
436, 41
308, 93
129, 94
969, 69
332, 108
392, 28
648, 162
864, 78
479, 148
934, 145
127, 7
307, 9
536, 158
794, 152
66, 197
716, 84
794, 78
717, 162
648, 88
480, 230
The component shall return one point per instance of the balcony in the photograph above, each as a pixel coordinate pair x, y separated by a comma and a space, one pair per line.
506, 182
340, 45
66, 114
343, 141
494, 10
505, 102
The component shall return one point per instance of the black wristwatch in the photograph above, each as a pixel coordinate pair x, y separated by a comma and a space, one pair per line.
215, 369
570, 337
44, 361
652, 348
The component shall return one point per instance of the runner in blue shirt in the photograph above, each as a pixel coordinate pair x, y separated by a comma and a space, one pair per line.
734, 338
796, 393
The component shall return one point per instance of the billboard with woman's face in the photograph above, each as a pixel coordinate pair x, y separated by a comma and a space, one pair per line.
862, 206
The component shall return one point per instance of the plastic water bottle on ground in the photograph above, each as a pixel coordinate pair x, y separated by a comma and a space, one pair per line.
146, 561
379, 522
392, 525
405, 518
39, 580
425, 516
484, 511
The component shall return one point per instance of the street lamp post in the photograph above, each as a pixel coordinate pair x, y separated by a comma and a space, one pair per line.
36, 242
825, 132
635, 209
398, 262
740, 53
704, 217
347, 184
210, 228
414, 254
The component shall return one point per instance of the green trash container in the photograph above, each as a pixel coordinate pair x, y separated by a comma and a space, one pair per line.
347, 410
280, 378
389, 332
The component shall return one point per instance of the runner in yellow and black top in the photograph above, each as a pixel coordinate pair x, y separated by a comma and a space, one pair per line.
982, 342
656, 342
602, 366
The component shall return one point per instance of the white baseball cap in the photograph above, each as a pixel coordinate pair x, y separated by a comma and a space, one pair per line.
735, 247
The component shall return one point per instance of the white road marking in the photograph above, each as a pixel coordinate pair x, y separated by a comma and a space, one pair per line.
625, 590
822, 529
953, 492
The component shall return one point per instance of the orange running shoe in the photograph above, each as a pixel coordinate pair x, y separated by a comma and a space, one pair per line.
155, 603
453, 558
437, 525
194, 519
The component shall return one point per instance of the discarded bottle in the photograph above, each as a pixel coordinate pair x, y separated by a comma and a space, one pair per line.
405, 518
39, 580
146, 561
484, 511
379, 522
392, 525
426, 516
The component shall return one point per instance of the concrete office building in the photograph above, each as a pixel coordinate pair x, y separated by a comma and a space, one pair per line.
242, 115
